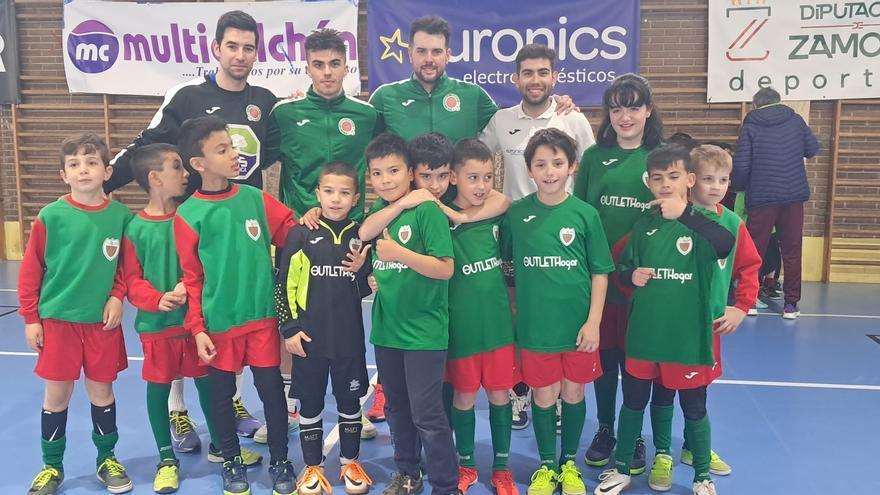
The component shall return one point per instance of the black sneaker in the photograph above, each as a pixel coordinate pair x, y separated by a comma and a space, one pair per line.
404, 484
520, 405
770, 293
47, 481
601, 447
283, 478
638, 464
235, 480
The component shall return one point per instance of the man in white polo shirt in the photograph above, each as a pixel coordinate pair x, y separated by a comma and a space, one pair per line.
509, 129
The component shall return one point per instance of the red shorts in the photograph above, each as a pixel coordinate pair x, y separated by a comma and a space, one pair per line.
69, 347
716, 344
673, 376
260, 347
612, 328
542, 369
493, 370
168, 356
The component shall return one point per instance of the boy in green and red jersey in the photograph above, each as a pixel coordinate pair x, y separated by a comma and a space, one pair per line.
70, 290
223, 234
670, 259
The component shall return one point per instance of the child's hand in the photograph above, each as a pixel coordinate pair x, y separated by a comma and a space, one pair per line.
670, 208
456, 217
294, 344
33, 334
180, 290
641, 276
205, 347
371, 281
387, 249
415, 198
170, 301
588, 337
112, 313
356, 259
310, 218
731, 320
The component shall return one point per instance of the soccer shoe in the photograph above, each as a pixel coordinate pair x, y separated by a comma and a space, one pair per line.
705, 487
47, 481
753, 311
544, 482
559, 416
313, 482
612, 482
235, 481
404, 484
716, 464
376, 413
113, 476
660, 478
167, 478
248, 456
356, 479
638, 463
283, 478
520, 406
368, 429
183, 433
570, 479
770, 293
245, 424
502, 482
467, 477
601, 447
790, 311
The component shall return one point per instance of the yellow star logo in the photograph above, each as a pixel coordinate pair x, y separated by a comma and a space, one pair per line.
392, 46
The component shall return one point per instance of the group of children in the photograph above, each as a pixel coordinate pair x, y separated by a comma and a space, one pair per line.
594, 276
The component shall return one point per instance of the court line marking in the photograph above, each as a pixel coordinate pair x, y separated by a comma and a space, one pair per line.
823, 315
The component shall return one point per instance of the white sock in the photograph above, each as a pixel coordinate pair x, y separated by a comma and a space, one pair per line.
237, 395
291, 403
175, 399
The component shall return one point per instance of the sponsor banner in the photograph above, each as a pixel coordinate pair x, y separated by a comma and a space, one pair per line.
145, 49
9, 67
593, 44
806, 50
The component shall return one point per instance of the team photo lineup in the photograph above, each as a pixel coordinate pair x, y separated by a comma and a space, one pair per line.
517, 251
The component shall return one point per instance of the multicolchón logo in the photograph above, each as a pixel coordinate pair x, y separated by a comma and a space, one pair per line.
92, 47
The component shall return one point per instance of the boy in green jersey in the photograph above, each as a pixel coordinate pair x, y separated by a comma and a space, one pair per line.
70, 290
669, 259
561, 264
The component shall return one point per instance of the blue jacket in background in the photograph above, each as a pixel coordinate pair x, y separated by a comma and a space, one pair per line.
769, 160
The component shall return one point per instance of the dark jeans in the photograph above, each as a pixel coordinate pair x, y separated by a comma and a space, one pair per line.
413, 383
788, 219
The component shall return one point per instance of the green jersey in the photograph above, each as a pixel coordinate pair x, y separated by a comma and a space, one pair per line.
454, 108
411, 311
555, 252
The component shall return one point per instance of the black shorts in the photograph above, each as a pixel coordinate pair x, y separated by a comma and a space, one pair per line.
348, 376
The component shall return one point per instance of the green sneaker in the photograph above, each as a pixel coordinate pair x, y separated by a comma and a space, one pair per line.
716, 464
571, 480
112, 474
47, 481
660, 478
544, 482
167, 478
248, 456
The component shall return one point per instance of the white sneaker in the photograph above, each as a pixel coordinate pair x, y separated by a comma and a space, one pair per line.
705, 487
753, 311
612, 482
262, 433
368, 430
313, 482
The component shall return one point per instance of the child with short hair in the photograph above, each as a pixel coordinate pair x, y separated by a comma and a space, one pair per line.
670, 260
561, 265
223, 235
70, 290
320, 283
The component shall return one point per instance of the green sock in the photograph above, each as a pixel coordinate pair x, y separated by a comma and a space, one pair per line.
629, 426
573, 418
606, 398
106, 443
699, 436
53, 452
500, 423
544, 423
157, 412
661, 425
203, 386
464, 424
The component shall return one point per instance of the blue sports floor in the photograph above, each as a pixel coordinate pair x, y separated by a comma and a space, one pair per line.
795, 412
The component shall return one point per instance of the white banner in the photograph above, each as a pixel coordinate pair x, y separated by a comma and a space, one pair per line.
806, 50
145, 49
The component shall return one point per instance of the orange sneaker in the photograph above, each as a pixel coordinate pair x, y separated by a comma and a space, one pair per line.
467, 477
313, 482
377, 410
356, 479
503, 483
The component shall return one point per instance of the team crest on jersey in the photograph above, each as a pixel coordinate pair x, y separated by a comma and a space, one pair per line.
346, 127
452, 103
110, 248
566, 235
722, 263
404, 233
495, 232
355, 244
684, 245
254, 114
253, 228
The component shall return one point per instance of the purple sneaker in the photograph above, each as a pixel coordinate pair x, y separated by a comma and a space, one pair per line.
183, 433
245, 424
790, 311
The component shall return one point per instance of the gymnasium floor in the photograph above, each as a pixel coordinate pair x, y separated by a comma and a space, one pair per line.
795, 411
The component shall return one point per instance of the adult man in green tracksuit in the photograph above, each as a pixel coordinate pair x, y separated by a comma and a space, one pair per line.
323, 126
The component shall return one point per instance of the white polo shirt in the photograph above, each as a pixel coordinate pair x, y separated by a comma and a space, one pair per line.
509, 132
